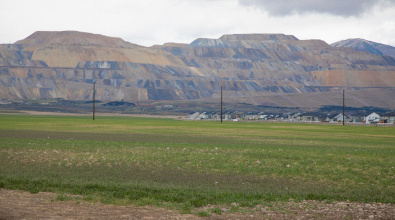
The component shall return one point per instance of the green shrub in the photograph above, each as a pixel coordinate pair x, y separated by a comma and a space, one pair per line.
203, 214
186, 208
216, 210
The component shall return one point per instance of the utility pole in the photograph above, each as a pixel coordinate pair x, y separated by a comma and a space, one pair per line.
221, 104
94, 94
343, 107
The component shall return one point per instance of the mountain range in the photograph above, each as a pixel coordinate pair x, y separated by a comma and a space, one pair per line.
260, 69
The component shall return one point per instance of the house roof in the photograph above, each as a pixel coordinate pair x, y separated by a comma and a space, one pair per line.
373, 115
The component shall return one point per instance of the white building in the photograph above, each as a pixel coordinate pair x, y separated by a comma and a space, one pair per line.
339, 118
203, 116
193, 116
372, 118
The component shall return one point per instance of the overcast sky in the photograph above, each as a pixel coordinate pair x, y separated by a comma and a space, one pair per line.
149, 22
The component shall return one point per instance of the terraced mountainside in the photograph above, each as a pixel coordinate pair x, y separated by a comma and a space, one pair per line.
261, 69
367, 46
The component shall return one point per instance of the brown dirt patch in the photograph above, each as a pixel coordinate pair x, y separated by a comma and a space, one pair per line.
23, 205
43, 205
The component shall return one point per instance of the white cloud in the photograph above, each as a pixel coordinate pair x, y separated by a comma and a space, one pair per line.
344, 8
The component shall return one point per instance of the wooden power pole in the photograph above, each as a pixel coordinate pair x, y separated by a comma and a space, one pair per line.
94, 94
343, 107
221, 104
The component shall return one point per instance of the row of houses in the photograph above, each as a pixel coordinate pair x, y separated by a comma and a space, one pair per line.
372, 118
232, 116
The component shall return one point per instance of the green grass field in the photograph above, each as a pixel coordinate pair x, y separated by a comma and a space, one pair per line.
188, 164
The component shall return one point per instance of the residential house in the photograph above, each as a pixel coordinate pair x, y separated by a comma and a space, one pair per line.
250, 116
236, 115
193, 116
309, 117
339, 118
357, 118
203, 116
295, 117
388, 118
213, 115
372, 119
197, 115
227, 115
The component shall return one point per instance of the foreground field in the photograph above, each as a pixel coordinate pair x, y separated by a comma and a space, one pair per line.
185, 165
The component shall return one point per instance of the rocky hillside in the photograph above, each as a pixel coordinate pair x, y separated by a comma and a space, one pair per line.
269, 69
367, 46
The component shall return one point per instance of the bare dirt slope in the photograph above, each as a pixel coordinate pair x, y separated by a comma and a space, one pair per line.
43, 205
23, 205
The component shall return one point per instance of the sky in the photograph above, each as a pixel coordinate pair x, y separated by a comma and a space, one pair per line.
150, 22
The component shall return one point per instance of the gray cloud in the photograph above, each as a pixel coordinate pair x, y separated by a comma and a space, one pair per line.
343, 8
